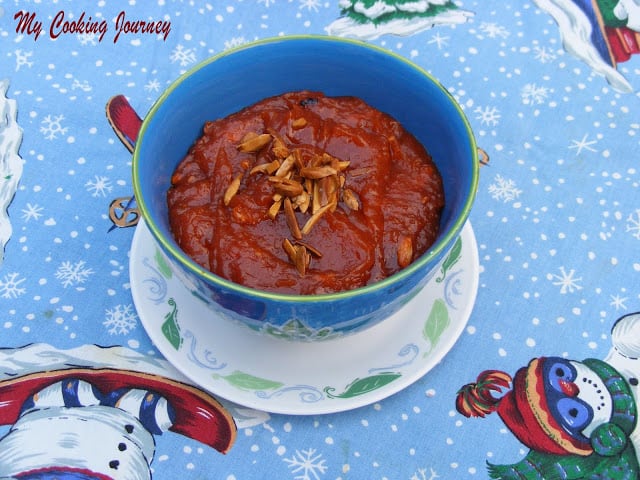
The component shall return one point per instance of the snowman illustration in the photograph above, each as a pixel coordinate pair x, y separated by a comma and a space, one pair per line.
93, 413
578, 418
601, 33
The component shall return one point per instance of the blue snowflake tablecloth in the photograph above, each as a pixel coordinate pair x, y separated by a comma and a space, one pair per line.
539, 380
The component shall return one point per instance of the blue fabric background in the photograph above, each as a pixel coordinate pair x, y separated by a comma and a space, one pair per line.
557, 218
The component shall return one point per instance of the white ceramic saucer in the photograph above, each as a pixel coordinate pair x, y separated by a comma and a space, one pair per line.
280, 376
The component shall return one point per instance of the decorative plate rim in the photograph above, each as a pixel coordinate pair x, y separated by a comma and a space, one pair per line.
318, 377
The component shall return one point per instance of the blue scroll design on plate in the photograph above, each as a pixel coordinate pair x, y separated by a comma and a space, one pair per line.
157, 285
410, 351
306, 393
453, 288
204, 359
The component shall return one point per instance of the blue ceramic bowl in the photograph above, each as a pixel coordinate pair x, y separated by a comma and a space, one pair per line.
240, 77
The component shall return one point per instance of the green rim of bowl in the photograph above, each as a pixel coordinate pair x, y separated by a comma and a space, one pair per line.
190, 265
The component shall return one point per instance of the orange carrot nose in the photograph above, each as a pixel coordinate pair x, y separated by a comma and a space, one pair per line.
570, 389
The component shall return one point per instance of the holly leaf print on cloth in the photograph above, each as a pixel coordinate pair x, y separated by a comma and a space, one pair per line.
437, 322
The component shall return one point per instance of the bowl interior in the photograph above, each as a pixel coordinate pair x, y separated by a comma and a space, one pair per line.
240, 77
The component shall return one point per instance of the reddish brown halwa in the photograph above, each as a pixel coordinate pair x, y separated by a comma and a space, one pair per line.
304, 193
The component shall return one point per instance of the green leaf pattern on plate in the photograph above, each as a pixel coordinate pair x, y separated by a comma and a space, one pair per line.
436, 323
246, 381
170, 327
454, 255
360, 386
163, 266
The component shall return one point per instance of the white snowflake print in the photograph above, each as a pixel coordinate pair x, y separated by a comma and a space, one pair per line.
439, 40
73, 274
11, 286
152, 86
534, 95
310, 4
617, 301
32, 212
120, 320
583, 144
306, 465
493, 30
84, 85
567, 281
88, 39
22, 59
504, 189
487, 116
267, 3
234, 42
544, 55
52, 127
422, 474
99, 187
633, 224
184, 56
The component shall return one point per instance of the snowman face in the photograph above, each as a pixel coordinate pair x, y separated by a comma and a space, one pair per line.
576, 396
63, 439
593, 392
